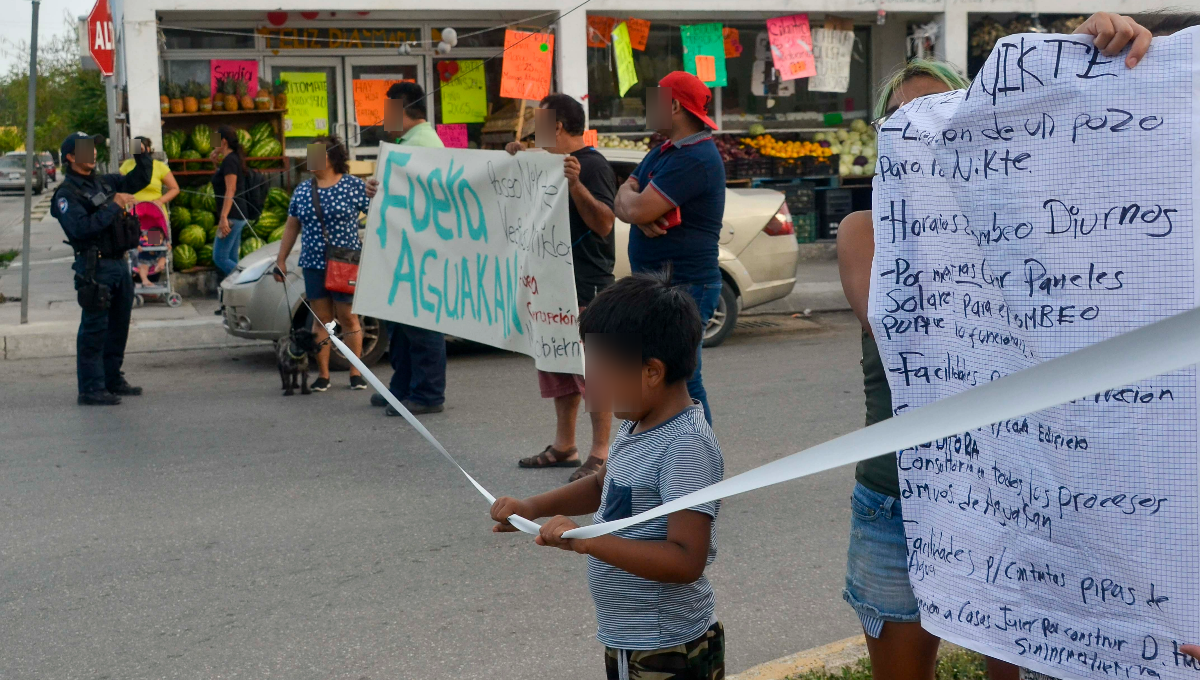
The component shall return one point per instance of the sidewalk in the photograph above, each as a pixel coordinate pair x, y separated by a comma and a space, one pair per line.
818, 289
54, 313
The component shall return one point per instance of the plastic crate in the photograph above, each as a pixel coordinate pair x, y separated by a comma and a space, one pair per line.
753, 167
833, 206
801, 197
805, 225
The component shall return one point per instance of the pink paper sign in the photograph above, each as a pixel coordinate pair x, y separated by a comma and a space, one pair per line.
454, 135
242, 69
791, 46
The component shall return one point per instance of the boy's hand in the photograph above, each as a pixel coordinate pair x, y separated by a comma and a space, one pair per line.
552, 531
505, 506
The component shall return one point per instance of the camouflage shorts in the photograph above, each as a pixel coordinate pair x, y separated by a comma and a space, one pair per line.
700, 659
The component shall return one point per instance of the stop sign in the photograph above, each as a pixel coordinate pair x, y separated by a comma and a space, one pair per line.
100, 36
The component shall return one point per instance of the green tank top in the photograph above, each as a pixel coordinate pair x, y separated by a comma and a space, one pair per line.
878, 474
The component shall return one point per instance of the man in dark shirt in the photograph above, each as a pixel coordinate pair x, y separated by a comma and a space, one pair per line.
679, 219
592, 185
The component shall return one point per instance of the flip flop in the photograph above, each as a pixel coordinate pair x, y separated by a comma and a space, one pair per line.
550, 457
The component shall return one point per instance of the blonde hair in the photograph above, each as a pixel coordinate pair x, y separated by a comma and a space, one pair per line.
942, 71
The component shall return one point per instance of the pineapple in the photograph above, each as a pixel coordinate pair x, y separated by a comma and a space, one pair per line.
218, 101
243, 92
175, 92
206, 103
263, 101
191, 101
228, 94
280, 90
164, 102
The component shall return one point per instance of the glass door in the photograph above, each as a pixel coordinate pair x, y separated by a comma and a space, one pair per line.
363, 137
306, 121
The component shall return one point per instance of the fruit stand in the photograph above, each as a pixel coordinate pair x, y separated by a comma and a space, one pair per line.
190, 158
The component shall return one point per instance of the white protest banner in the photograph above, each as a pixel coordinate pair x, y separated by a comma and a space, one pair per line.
1048, 207
831, 52
475, 244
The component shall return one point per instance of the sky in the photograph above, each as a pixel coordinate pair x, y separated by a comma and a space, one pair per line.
15, 23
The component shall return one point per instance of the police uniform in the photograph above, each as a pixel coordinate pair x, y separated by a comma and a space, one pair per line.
101, 233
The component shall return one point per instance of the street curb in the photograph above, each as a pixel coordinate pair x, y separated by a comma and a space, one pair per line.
57, 340
828, 657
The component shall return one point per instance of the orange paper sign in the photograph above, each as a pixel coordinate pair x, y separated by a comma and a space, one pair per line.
527, 62
369, 98
598, 30
706, 68
639, 32
591, 138
733, 46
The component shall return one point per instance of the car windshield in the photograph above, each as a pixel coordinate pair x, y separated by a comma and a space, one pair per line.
46, 157
12, 163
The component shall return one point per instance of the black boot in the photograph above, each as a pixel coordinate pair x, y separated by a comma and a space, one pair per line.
100, 398
124, 389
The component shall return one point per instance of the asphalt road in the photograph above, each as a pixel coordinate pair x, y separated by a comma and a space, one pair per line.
213, 529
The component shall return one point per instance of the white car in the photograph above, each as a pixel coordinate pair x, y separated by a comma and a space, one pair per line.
758, 254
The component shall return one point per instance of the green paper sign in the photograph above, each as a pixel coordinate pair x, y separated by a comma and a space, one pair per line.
464, 97
705, 40
626, 73
308, 104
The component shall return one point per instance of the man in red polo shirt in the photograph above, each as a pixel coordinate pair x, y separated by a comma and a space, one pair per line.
676, 197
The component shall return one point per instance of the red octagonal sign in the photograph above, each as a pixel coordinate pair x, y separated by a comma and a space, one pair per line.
100, 36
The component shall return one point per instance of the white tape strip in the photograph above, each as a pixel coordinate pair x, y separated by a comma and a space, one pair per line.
1157, 348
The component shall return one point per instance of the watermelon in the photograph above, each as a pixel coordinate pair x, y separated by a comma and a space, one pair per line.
189, 155
276, 235
244, 138
204, 255
184, 256
181, 215
278, 198
193, 236
202, 139
211, 233
172, 145
272, 218
205, 199
204, 218
266, 147
250, 245
260, 131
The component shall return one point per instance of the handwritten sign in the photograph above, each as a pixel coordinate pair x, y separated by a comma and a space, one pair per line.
369, 98
454, 135
705, 40
626, 73
831, 55
733, 43
1048, 207
527, 63
791, 46
464, 96
599, 28
706, 69
639, 33
242, 69
308, 104
476, 244
591, 137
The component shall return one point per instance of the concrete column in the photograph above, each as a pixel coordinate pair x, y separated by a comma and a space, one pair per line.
952, 43
141, 75
571, 44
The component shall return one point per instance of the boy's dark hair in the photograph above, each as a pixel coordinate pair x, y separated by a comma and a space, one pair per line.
647, 308
413, 97
566, 111
339, 160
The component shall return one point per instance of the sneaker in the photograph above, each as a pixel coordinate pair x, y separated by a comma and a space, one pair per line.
378, 400
100, 398
415, 408
320, 385
357, 382
124, 389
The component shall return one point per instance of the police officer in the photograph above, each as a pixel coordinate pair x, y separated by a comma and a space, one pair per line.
94, 212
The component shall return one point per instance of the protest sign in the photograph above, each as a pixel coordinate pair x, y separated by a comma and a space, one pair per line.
1048, 207
791, 46
527, 62
453, 135
464, 93
599, 28
706, 40
369, 98
241, 69
476, 244
626, 73
733, 43
639, 33
308, 104
831, 55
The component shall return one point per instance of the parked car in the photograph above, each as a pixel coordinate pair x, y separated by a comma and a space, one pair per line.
12, 173
48, 165
758, 254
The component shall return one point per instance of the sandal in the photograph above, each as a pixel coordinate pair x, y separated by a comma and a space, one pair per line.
550, 457
590, 467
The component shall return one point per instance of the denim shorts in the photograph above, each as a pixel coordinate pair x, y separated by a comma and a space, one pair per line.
314, 287
877, 583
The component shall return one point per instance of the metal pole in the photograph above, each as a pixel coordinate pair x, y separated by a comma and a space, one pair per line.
114, 136
30, 153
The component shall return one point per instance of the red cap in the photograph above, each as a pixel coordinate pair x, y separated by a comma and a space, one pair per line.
691, 93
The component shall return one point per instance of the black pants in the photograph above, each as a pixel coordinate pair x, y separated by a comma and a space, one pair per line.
100, 344
418, 359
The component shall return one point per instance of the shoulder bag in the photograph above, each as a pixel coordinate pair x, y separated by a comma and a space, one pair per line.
341, 264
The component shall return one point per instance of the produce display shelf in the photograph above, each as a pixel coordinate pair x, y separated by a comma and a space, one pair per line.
198, 173
239, 112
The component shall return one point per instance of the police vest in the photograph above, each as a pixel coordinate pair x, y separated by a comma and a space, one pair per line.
120, 237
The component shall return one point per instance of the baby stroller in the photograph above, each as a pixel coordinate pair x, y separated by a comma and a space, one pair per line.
153, 253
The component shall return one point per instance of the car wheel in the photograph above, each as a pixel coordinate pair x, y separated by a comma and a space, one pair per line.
724, 317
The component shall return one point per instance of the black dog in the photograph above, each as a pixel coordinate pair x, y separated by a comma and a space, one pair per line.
294, 355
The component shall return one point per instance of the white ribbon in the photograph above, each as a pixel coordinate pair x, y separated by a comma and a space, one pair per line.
1156, 348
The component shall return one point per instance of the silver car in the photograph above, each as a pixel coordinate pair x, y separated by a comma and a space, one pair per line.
758, 254
12, 173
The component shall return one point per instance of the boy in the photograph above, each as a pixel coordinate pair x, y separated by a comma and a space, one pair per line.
654, 608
